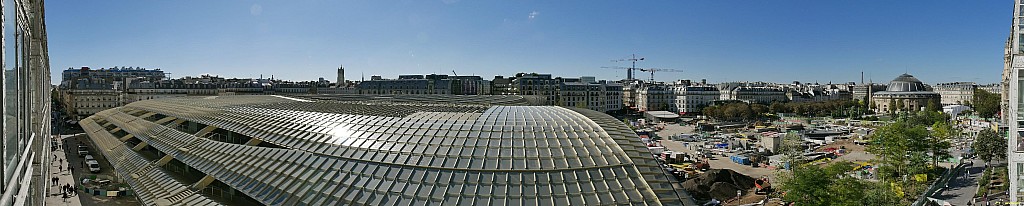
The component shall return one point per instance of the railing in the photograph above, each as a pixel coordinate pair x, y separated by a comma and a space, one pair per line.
936, 185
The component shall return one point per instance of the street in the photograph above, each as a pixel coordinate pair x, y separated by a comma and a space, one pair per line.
72, 142
962, 189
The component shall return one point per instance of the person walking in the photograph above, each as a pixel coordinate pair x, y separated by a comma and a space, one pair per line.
65, 196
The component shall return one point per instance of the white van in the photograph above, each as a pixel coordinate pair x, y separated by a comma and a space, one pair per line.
93, 165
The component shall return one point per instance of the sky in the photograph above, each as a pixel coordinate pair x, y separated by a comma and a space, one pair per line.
721, 41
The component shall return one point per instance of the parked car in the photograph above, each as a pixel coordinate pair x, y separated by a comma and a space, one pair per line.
94, 166
89, 158
83, 150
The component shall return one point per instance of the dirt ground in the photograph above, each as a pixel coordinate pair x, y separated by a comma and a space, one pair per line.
848, 144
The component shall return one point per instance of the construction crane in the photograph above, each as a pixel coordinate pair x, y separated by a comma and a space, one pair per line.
652, 70
629, 71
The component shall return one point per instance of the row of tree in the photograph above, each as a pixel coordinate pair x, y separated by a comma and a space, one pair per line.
737, 111
820, 109
753, 111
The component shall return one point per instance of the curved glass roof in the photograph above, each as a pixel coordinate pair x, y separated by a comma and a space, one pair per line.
408, 152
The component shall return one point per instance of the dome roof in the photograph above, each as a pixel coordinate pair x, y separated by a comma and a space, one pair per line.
905, 83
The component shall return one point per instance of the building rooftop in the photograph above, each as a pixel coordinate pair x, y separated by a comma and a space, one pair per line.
905, 83
405, 150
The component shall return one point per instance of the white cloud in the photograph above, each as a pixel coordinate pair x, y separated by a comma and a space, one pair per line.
255, 9
533, 15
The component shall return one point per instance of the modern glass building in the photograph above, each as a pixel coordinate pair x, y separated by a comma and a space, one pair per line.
1013, 113
363, 150
26, 104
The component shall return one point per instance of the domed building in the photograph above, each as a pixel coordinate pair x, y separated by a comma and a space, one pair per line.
905, 93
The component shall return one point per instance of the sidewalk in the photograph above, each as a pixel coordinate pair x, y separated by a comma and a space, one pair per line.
62, 172
963, 187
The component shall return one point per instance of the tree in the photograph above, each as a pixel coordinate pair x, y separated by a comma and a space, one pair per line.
989, 146
902, 149
814, 185
779, 107
939, 140
933, 105
985, 103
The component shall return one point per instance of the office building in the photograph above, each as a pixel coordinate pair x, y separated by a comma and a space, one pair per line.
863, 92
112, 74
691, 99
535, 84
357, 150
956, 93
1013, 117
588, 93
994, 88
758, 94
655, 97
26, 105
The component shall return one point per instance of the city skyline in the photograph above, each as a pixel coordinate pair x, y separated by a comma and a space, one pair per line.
803, 40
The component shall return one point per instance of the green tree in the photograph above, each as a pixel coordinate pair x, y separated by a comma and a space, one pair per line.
814, 185
985, 103
779, 107
933, 105
989, 146
901, 149
939, 141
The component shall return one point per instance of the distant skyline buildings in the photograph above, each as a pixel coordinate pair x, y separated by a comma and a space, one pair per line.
718, 41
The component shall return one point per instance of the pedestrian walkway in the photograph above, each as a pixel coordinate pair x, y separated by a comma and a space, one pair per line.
963, 184
59, 169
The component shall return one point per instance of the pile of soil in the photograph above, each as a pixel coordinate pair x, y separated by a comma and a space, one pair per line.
720, 184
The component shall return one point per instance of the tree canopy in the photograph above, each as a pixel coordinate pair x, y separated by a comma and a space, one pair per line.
830, 185
989, 146
985, 103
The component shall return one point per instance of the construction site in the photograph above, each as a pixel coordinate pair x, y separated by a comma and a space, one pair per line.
738, 166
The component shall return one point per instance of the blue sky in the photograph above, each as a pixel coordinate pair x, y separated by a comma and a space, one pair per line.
779, 41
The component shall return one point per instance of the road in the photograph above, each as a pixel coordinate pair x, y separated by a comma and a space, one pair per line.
963, 186
962, 189
72, 141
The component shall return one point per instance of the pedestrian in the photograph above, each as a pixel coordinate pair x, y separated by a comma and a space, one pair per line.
60, 161
74, 189
65, 196
60, 168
